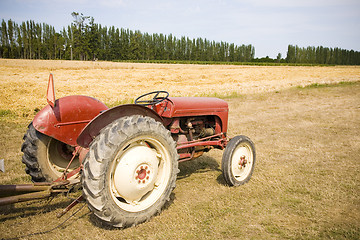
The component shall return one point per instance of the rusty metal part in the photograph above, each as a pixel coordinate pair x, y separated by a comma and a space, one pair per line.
175, 126
25, 197
79, 151
205, 142
243, 161
82, 154
206, 132
34, 191
75, 153
70, 174
5, 189
71, 205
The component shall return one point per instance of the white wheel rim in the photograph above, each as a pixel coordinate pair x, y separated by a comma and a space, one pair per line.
57, 161
242, 162
140, 174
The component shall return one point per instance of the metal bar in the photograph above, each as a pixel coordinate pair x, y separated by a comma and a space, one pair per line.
23, 188
202, 139
69, 175
184, 155
206, 143
71, 123
24, 197
37, 191
188, 158
64, 175
74, 203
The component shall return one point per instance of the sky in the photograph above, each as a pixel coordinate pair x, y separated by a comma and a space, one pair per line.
269, 25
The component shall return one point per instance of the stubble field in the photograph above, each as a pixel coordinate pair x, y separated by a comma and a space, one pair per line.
306, 179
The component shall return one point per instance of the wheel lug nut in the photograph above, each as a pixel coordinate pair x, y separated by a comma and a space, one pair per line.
143, 181
147, 178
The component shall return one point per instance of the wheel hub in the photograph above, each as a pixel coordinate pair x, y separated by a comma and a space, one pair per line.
242, 162
142, 174
135, 173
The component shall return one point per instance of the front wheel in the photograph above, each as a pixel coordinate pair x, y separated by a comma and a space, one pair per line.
130, 171
238, 161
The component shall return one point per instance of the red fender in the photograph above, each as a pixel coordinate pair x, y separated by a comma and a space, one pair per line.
107, 117
66, 119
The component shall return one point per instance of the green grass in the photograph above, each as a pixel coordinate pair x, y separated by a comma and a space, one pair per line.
6, 113
324, 85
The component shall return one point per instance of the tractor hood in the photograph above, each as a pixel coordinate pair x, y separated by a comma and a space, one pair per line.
195, 106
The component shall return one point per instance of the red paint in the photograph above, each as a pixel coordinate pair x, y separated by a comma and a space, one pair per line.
51, 91
142, 174
107, 117
68, 117
195, 106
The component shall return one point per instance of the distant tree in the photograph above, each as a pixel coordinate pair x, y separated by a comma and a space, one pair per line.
135, 45
4, 40
80, 39
291, 54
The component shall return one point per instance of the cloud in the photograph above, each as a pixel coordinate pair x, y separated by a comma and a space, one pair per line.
297, 3
112, 3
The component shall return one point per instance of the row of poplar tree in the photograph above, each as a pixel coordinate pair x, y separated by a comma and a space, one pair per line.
86, 40
322, 55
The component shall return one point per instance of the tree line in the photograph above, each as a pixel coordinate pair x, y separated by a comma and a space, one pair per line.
84, 39
322, 55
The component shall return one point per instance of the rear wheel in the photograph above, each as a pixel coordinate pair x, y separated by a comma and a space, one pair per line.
45, 158
130, 171
238, 161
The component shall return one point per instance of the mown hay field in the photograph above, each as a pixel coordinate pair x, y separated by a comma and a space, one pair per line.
23, 82
306, 179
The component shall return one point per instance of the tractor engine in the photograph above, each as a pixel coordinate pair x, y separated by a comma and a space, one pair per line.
187, 130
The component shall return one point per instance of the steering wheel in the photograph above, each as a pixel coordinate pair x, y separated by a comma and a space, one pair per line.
155, 100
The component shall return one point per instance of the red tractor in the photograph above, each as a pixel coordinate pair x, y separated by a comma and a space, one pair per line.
127, 156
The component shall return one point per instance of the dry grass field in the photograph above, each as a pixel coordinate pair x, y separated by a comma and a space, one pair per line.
23, 82
306, 183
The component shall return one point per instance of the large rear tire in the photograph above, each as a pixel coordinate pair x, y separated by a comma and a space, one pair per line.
238, 161
45, 158
130, 171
